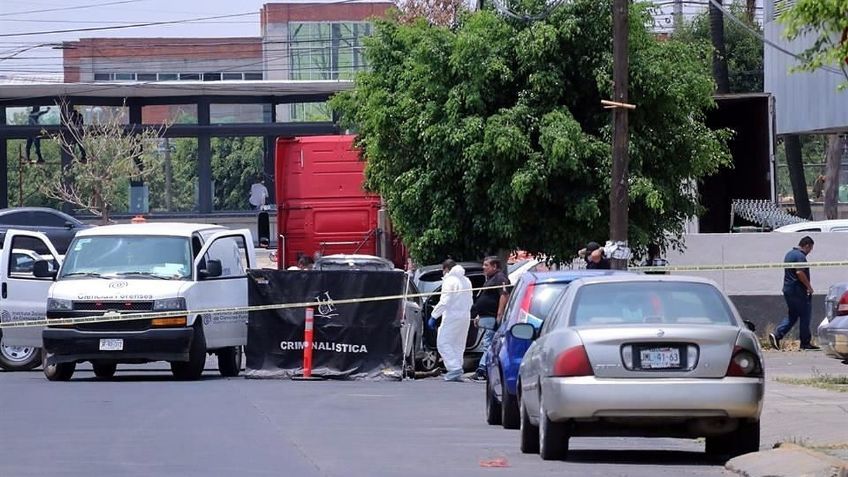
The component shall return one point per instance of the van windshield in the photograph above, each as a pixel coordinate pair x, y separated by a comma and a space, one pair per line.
136, 256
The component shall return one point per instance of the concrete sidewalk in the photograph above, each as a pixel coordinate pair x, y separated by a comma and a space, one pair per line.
799, 414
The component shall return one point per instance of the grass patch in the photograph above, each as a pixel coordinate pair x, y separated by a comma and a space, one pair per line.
823, 381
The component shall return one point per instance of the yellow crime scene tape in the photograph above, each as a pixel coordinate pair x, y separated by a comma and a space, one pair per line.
117, 316
743, 266
111, 316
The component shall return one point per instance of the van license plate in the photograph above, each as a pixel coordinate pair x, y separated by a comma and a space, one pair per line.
111, 345
660, 358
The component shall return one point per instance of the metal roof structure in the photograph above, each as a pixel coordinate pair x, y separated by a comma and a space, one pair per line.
202, 94
26, 93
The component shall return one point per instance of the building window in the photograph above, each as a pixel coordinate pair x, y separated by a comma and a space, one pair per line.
189, 77
211, 76
146, 76
102, 77
168, 77
124, 76
322, 51
253, 76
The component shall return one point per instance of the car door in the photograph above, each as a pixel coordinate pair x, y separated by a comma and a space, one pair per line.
55, 227
234, 248
22, 295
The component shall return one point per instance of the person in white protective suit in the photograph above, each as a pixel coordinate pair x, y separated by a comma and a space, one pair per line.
454, 308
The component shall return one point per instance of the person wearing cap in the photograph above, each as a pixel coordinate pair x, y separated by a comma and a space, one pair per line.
594, 256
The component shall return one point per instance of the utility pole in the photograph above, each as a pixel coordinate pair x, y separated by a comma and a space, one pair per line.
678, 15
619, 190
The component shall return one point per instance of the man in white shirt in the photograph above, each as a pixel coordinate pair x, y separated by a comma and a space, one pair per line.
258, 193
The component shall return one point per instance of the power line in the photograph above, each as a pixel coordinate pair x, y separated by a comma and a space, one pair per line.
133, 25
76, 7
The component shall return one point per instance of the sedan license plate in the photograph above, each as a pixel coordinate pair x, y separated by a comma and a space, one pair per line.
660, 358
111, 345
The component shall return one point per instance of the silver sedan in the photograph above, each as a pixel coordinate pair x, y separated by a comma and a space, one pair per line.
641, 355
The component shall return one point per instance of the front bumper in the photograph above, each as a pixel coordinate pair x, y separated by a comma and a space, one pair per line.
69, 345
589, 397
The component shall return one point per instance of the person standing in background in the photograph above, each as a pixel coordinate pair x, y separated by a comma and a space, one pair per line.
798, 293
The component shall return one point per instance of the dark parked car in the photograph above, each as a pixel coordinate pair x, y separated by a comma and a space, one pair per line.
59, 227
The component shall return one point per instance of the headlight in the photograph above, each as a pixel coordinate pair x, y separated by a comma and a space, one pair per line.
58, 304
166, 304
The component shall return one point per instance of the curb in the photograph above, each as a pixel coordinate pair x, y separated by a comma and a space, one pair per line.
788, 460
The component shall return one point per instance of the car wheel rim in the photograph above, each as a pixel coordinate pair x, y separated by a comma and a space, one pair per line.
429, 360
17, 354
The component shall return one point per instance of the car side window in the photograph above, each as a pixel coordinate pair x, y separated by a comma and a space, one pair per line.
15, 218
23, 257
512, 306
555, 315
231, 252
47, 219
412, 290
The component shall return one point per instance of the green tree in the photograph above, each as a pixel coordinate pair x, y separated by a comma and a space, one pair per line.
744, 50
104, 159
236, 162
490, 135
827, 22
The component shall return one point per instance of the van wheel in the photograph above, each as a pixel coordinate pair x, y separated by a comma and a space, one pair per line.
229, 361
493, 408
104, 370
19, 358
192, 369
57, 372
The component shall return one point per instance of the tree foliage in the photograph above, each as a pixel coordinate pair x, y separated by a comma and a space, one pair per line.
490, 135
104, 157
744, 50
827, 22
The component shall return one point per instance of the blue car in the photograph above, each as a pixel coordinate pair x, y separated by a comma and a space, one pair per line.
530, 302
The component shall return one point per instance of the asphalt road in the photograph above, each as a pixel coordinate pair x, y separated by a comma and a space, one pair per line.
144, 424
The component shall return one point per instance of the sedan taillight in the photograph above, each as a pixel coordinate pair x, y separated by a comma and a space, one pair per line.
573, 362
842, 307
744, 364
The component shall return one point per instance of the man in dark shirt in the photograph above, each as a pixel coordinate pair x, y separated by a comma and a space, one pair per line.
595, 257
798, 293
490, 303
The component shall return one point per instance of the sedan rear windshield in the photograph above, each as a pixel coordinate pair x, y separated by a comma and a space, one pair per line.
627, 303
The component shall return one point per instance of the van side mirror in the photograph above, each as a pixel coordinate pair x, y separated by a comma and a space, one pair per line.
751, 326
42, 269
523, 331
213, 269
487, 323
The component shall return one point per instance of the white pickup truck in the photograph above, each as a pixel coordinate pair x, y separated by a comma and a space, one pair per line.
173, 268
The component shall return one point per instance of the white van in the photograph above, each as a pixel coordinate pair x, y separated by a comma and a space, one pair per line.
178, 268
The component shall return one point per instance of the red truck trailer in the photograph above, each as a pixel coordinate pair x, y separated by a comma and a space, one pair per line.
321, 204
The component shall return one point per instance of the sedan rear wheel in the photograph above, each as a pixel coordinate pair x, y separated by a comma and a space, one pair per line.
553, 436
529, 432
